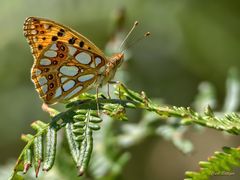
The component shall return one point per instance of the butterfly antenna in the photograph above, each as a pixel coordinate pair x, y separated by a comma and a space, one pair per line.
136, 41
128, 34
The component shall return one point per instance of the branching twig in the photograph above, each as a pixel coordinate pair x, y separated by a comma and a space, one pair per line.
80, 133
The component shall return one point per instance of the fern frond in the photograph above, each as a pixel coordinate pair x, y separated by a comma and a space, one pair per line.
33, 150
222, 163
84, 123
81, 119
50, 151
229, 123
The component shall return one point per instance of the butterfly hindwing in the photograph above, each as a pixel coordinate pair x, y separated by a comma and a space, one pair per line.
66, 63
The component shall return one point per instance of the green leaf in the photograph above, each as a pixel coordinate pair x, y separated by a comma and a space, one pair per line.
74, 145
38, 153
222, 163
50, 151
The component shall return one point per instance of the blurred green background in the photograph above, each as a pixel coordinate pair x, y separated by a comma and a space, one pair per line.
192, 41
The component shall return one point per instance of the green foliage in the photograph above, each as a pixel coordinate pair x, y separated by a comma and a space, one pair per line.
103, 154
222, 163
81, 119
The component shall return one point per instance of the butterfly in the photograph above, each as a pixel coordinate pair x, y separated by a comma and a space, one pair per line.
66, 63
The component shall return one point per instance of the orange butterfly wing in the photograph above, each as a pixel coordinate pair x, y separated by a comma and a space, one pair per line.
66, 63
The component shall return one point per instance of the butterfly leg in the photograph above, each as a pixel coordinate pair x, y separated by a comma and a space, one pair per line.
115, 82
97, 101
108, 90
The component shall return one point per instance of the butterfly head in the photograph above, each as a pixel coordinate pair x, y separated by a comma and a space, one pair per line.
114, 62
117, 59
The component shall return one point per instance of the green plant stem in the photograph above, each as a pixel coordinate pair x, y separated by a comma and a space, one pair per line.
130, 99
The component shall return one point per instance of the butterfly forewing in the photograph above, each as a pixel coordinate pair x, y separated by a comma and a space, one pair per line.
66, 63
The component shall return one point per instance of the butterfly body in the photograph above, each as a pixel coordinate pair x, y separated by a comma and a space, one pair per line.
65, 62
